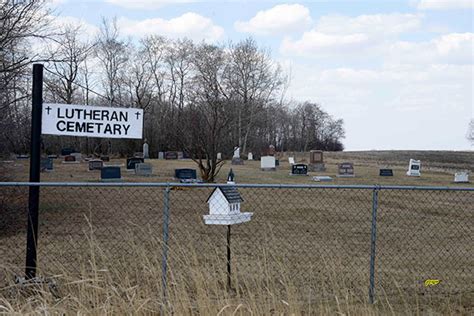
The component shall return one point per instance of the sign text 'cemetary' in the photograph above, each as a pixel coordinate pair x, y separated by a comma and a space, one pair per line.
92, 121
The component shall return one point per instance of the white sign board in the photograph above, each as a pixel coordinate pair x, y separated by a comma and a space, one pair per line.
92, 121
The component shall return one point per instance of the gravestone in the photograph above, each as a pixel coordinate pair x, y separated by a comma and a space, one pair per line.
171, 155
185, 175
95, 164
146, 153
53, 156
161, 155
236, 160
386, 173
105, 158
110, 173
461, 177
291, 160
219, 156
138, 154
271, 150
277, 162
131, 162
180, 155
267, 163
299, 169
346, 170
46, 164
70, 160
316, 161
67, 151
414, 168
250, 156
78, 156
322, 178
143, 169
22, 157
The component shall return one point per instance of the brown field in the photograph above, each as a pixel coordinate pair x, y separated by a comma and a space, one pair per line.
306, 251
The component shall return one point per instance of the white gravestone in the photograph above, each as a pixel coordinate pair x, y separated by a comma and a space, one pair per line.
236, 152
78, 156
414, 168
291, 160
461, 177
267, 163
236, 160
161, 155
219, 156
250, 156
146, 154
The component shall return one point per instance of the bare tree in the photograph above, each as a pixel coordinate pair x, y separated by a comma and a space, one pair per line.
470, 132
113, 54
20, 22
254, 78
206, 115
68, 53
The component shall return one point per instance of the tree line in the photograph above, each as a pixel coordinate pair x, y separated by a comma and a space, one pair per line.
197, 97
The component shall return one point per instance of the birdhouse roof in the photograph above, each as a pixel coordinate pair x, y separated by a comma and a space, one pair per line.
231, 194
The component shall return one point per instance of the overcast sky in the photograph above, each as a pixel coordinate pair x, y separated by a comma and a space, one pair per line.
400, 73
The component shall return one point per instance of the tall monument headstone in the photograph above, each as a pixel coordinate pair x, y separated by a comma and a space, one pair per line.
146, 153
236, 160
316, 161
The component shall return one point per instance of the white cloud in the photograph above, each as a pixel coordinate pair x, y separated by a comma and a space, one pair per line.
444, 4
145, 4
392, 106
336, 34
283, 18
376, 24
453, 48
321, 43
191, 25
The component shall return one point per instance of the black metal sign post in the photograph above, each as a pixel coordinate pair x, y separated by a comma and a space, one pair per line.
35, 152
229, 282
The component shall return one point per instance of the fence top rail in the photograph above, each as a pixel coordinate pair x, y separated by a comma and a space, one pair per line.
239, 185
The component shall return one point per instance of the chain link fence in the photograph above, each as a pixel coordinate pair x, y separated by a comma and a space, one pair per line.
375, 241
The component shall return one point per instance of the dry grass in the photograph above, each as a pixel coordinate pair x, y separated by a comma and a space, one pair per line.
304, 252
135, 287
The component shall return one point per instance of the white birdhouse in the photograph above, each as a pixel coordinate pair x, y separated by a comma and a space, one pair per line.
414, 168
224, 205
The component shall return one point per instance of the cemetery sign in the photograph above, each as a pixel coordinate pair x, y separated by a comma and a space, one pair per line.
92, 121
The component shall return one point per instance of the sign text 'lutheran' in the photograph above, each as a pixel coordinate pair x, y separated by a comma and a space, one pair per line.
92, 121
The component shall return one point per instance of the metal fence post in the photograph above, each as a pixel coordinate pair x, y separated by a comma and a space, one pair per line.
373, 237
164, 261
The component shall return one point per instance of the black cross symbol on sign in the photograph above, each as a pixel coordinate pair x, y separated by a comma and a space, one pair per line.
48, 109
137, 114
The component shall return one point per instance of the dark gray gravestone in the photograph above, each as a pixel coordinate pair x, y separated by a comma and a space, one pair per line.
110, 173
346, 170
96, 164
386, 173
185, 175
67, 151
171, 155
299, 169
46, 164
131, 162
